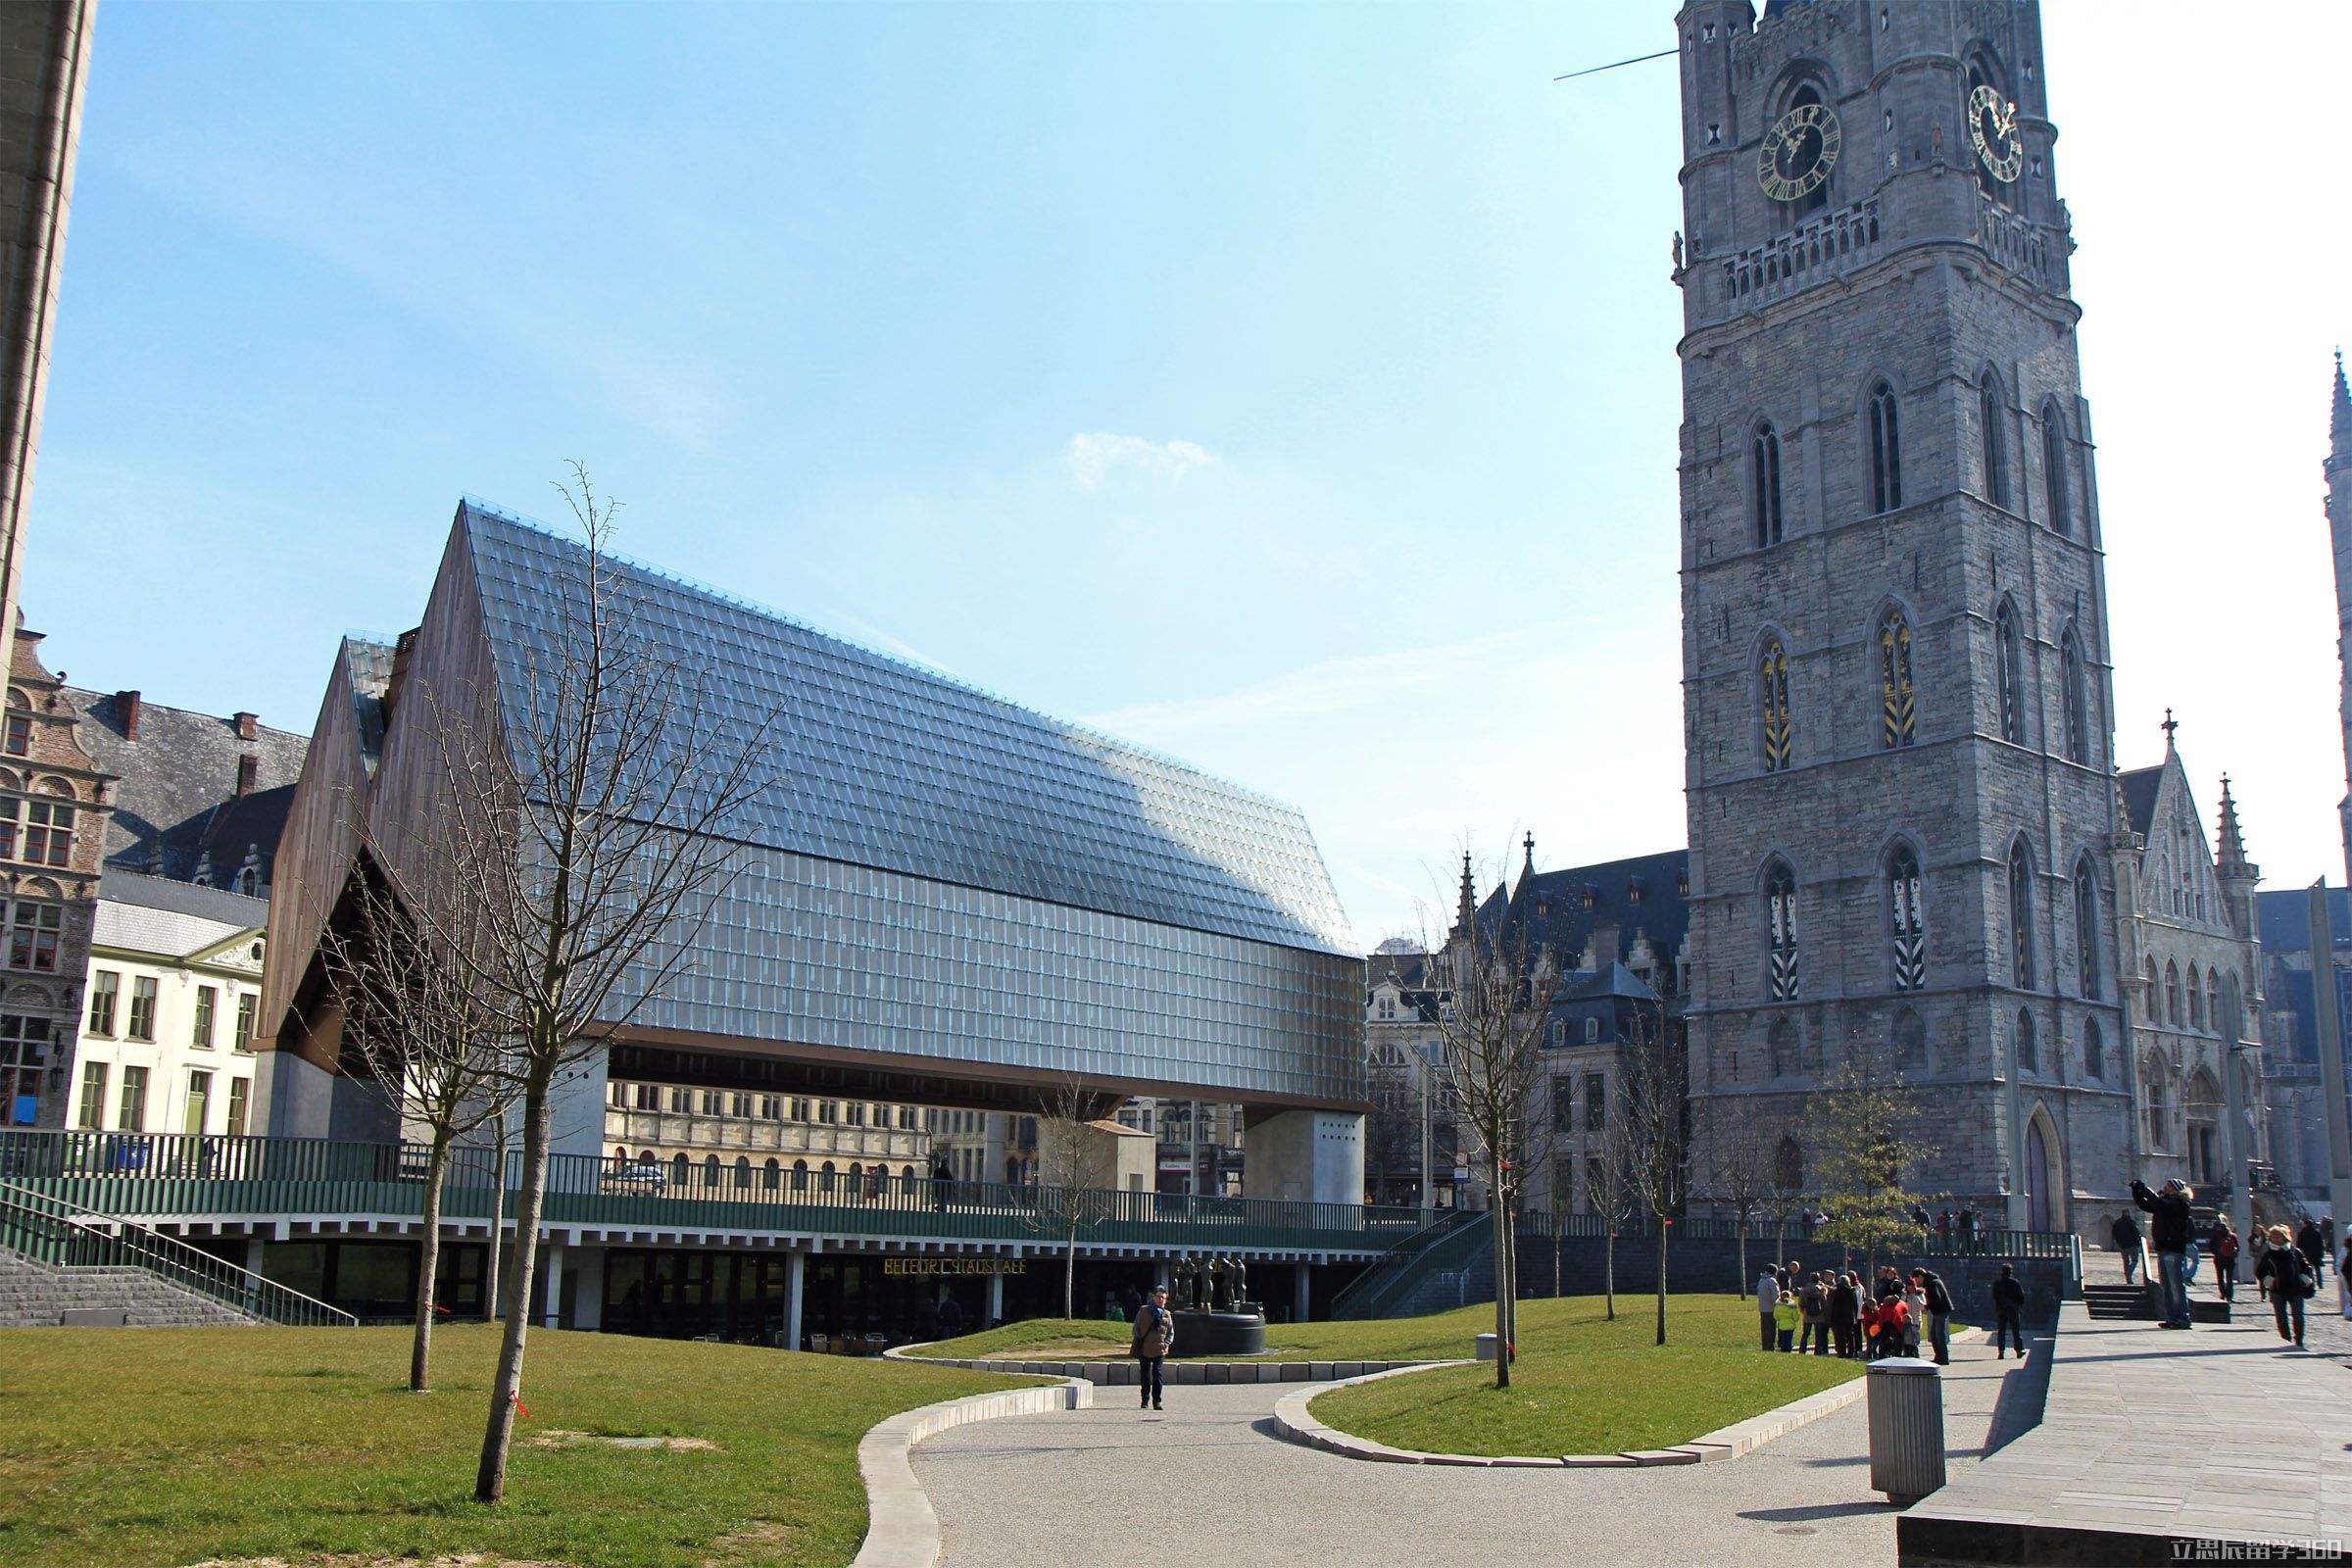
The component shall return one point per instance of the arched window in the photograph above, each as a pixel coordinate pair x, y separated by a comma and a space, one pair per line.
2095, 1050
1772, 701
1781, 1043
800, 1175
1788, 1165
743, 1172
682, 1171
1906, 919
2087, 929
2076, 684
710, 1170
1910, 1041
1898, 724
770, 1176
1807, 95
824, 1177
2054, 482
1992, 447
1981, 73
2213, 1003
2029, 1048
1764, 477
2196, 1001
2172, 994
1779, 911
2159, 1116
1591, 1031
2021, 914
1885, 451
2009, 660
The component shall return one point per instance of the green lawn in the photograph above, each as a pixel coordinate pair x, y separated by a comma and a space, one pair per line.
1583, 1385
138, 1446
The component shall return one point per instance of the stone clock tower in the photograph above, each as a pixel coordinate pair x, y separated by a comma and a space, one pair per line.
1895, 623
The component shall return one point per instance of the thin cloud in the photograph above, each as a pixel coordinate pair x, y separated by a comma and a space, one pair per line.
1096, 458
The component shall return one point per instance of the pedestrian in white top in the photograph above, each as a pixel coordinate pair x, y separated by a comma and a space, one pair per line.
1768, 1297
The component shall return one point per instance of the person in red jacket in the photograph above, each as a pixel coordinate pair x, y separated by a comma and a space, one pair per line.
2223, 1244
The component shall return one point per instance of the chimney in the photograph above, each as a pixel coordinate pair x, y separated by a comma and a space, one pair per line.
126, 708
249, 767
1601, 946
246, 730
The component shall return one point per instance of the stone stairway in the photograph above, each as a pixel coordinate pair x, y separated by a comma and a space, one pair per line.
2118, 1301
35, 1295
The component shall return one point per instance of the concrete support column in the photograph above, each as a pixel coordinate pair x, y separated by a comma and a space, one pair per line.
795, 1289
1159, 1273
1314, 1156
576, 1119
994, 1309
588, 1296
1301, 1281
551, 1283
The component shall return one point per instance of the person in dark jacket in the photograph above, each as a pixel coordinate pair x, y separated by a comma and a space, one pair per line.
2289, 1272
2314, 1247
1939, 1313
2125, 1232
2008, 1313
1843, 1308
2223, 1244
2168, 1233
1154, 1337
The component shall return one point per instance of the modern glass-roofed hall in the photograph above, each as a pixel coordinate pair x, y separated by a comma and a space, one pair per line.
939, 898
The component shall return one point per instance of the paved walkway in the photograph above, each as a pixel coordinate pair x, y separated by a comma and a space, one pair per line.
1110, 1486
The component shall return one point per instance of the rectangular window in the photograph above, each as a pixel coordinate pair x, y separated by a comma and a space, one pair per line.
20, 734
240, 1099
739, 1105
856, 1115
208, 999
649, 1097
93, 1096
134, 1118
142, 1008
1596, 1095
106, 989
1563, 1104
24, 1063
200, 1097
33, 932
48, 832
247, 1004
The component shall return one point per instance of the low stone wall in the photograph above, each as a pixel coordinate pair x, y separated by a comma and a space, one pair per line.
901, 1528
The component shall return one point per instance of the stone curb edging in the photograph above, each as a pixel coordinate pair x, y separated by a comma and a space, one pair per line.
901, 1529
1122, 1373
1294, 1422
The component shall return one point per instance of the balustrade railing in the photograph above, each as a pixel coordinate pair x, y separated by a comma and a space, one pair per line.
1828, 241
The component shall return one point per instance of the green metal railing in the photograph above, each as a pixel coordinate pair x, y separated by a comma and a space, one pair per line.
50, 1230
230, 1178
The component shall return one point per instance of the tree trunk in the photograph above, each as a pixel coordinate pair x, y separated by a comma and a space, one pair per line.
1662, 1228
429, 1264
1511, 1278
490, 1481
1609, 1271
498, 1213
1557, 1281
1743, 1257
1499, 1218
1069, 1271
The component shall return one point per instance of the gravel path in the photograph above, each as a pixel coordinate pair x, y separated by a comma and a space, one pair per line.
1107, 1487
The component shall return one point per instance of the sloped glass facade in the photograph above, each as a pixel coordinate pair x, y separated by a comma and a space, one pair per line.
937, 872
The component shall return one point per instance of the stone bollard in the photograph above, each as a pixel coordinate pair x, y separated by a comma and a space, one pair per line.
1906, 1428
1486, 1347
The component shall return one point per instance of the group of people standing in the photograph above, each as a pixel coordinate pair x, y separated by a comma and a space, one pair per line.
1832, 1313
2287, 1265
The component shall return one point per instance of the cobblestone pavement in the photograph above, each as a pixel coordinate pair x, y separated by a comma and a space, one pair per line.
2326, 1329
1112, 1485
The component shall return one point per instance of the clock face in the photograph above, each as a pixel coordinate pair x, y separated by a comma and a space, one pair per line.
1993, 126
1799, 153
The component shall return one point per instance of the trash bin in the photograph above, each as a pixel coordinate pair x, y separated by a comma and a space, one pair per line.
1486, 1347
1906, 1428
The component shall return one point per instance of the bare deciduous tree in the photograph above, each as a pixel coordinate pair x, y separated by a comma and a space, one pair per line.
1074, 1175
1650, 1114
1609, 1191
1868, 1129
1492, 1034
428, 1035
590, 796
1741, 1173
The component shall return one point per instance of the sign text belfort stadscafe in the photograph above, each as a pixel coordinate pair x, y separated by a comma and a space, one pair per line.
955, 1265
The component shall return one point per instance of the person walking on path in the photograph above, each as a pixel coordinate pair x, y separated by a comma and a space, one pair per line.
2343, 1290
1154, 1337
2125, 1232
1768, 1297
2008, 1313
2291, 1282
1936, 1296
2314, 1247
2168, 1233
2223, 1244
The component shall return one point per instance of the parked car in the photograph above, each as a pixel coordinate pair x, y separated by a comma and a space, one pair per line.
638, 1176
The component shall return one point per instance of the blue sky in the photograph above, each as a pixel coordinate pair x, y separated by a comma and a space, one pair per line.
1291, 388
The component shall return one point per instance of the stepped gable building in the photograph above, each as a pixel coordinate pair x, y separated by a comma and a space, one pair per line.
944, 898
203, 798
2190, 962
1898, 714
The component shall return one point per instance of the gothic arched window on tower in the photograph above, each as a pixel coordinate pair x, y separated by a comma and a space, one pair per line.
2172, 994
2076, 684
2095, 1050
1993, 128
2213, 1001
1906, 921
1818, 197
1772, 702
1898, 724
2009, 660
2196, 1001
2087, 929
1779, 924
2021, 914
1885, 451
1764, 475
1996, 450
2028, 1046
2054, 482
